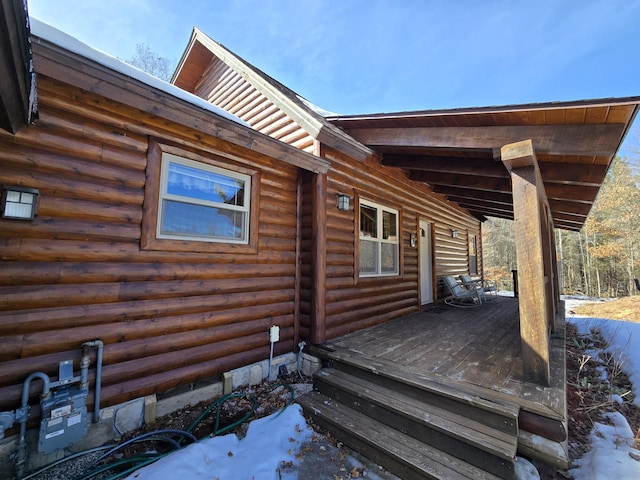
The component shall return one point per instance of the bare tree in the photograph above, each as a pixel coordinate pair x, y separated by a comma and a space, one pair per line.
152, 63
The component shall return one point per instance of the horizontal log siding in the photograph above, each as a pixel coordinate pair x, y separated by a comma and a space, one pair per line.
228, 90
354, 303
76, 273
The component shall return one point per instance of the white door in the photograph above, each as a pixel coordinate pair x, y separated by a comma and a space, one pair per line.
426, 267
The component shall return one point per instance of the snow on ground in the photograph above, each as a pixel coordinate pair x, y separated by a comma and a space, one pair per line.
274, 441
622, 337
270, 442
612, 454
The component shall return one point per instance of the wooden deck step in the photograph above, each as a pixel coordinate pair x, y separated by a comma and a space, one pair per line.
440, 392
468, 439
399, 453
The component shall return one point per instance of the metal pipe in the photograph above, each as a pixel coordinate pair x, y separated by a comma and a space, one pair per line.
22, 416
84, 367
96, 400
301, 346
7, 419
270, 361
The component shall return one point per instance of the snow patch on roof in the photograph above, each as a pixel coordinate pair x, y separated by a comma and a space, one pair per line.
320, 111
63, 40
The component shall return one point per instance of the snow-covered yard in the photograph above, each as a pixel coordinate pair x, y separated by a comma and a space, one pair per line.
612, 454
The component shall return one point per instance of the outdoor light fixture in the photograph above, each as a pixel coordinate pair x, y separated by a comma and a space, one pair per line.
343, 202
412, 240
454, 233
19, 203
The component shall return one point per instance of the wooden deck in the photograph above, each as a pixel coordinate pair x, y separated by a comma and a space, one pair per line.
440, 394
478, 346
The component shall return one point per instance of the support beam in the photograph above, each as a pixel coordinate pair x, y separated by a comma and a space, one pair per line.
552, 172
596, 139
571, 208
486, 167
490, 184
530, 208
482, 205
471, 194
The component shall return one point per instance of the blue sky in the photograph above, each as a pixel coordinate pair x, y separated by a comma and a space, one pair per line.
363, 56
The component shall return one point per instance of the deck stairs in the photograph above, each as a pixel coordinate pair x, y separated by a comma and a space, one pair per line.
416, 426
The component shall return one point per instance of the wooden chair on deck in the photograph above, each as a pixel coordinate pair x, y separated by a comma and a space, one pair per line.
462, 296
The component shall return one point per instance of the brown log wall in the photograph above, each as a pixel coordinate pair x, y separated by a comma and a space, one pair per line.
77, 272
306, 267
227, 89
352, 302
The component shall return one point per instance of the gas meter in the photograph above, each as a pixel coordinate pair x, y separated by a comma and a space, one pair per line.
64, 412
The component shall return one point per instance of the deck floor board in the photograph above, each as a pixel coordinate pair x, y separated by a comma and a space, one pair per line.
479, 346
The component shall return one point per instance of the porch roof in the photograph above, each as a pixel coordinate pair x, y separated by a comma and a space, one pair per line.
457, 152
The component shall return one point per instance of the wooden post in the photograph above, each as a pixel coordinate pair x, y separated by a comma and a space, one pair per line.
318, 255
549, 274
552, 265
533, 257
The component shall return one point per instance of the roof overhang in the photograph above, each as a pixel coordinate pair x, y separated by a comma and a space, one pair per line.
197, 57
73, 63
457, 152
17, 82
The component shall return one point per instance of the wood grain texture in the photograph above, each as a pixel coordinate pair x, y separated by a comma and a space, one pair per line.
78, 271
560, 139
533, 259
87, 266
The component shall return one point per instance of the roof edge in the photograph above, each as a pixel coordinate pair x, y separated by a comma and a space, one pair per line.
56, 61
284, 98
612, 101
18, 94
185, 55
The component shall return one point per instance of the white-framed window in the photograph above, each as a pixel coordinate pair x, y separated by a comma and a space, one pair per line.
202, 202
379, 249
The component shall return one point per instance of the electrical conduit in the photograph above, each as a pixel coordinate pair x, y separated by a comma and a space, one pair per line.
96, 401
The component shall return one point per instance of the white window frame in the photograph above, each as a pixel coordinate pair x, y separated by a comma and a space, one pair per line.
167, 159
379, 240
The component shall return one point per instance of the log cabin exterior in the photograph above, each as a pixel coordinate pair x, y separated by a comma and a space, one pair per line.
171, 310
90, 265
450, 169
336, 297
